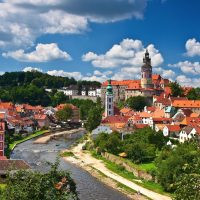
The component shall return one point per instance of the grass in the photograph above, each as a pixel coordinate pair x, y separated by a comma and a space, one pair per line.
2, 186
36, 134
66, 154
126, 188
156, 187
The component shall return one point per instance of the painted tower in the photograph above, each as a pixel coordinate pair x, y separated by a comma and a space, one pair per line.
146, 72
109, 104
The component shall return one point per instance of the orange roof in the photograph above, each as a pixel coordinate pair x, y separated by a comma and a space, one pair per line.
61, 106
160, 126
190, 121
135, 117
122, 82
40, 117
167, 90
156, 76
134, 86
115, 119
194, 115
145, 114
173, 128
186, 103
6, 105
2, 115
125, 110
140, 126
158, 113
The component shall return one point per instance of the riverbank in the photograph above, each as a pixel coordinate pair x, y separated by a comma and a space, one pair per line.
34, 135
87, 162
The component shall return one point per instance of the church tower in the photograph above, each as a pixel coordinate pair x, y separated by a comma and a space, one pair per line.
146, 72
109, 104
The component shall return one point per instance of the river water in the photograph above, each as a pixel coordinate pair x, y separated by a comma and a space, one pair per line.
88, 187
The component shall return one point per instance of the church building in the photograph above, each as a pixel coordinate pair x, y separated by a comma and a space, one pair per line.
149, 85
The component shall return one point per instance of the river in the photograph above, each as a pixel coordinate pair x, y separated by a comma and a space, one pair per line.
88, 187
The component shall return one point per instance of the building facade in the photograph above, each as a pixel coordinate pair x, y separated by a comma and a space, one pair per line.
109, 104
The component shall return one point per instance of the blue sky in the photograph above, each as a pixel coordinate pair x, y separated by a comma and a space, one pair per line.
100, 39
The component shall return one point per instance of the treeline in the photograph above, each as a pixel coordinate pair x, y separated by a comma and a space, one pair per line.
41, 80
29, 87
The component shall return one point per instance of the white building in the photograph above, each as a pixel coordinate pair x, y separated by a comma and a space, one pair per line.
101, 129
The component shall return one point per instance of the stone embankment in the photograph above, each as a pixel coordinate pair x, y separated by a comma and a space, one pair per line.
46, 139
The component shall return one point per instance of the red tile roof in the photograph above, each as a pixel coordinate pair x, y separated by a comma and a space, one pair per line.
173, 128
121, 83
140, 126
186, 103
115, 119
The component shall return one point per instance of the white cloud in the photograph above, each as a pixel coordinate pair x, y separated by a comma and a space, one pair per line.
29, 69
129, 53
188, 67
193, 47
165, 73
76, 75
187, 81
42, 53
23, 21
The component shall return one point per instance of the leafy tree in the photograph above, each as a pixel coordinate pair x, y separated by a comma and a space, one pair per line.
64, 114
55, 184
58, 98
193, 94
176, 89
170, 163
188, 185
94, 118
137, 103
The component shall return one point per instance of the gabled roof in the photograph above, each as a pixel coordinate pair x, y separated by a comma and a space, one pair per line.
125, 110
173, 128
134, 86
156, 76
186, 103
140, 126
190, 121
187, 129
115, 119
120, 83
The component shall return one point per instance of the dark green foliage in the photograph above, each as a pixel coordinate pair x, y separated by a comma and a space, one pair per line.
64, 114
94, 118
194, 94
188, 185
140, 146
170, 163
29, 87
58, 98
55, 184
176, 89
137, 103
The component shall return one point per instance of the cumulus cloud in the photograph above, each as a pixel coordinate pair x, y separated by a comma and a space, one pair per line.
23, 21
192, 47
129, 53
188, 67
165, 73
187, 81
29, 69
76, 75
95, 76
42, 53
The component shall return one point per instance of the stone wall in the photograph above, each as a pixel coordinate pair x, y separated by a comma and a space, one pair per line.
122, 162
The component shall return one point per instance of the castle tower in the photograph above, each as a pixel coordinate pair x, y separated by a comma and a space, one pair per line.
109, 104
146, 72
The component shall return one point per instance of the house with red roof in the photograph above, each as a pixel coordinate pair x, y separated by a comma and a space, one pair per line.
171, 131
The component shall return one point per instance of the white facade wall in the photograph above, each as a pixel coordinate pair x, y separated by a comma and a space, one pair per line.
109, 106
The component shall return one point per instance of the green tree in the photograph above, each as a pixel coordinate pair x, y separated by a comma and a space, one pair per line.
58, 98
55, 184
193, 94
176, 89
170, 163
137, 103
188, 185
94, 118
64, 114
